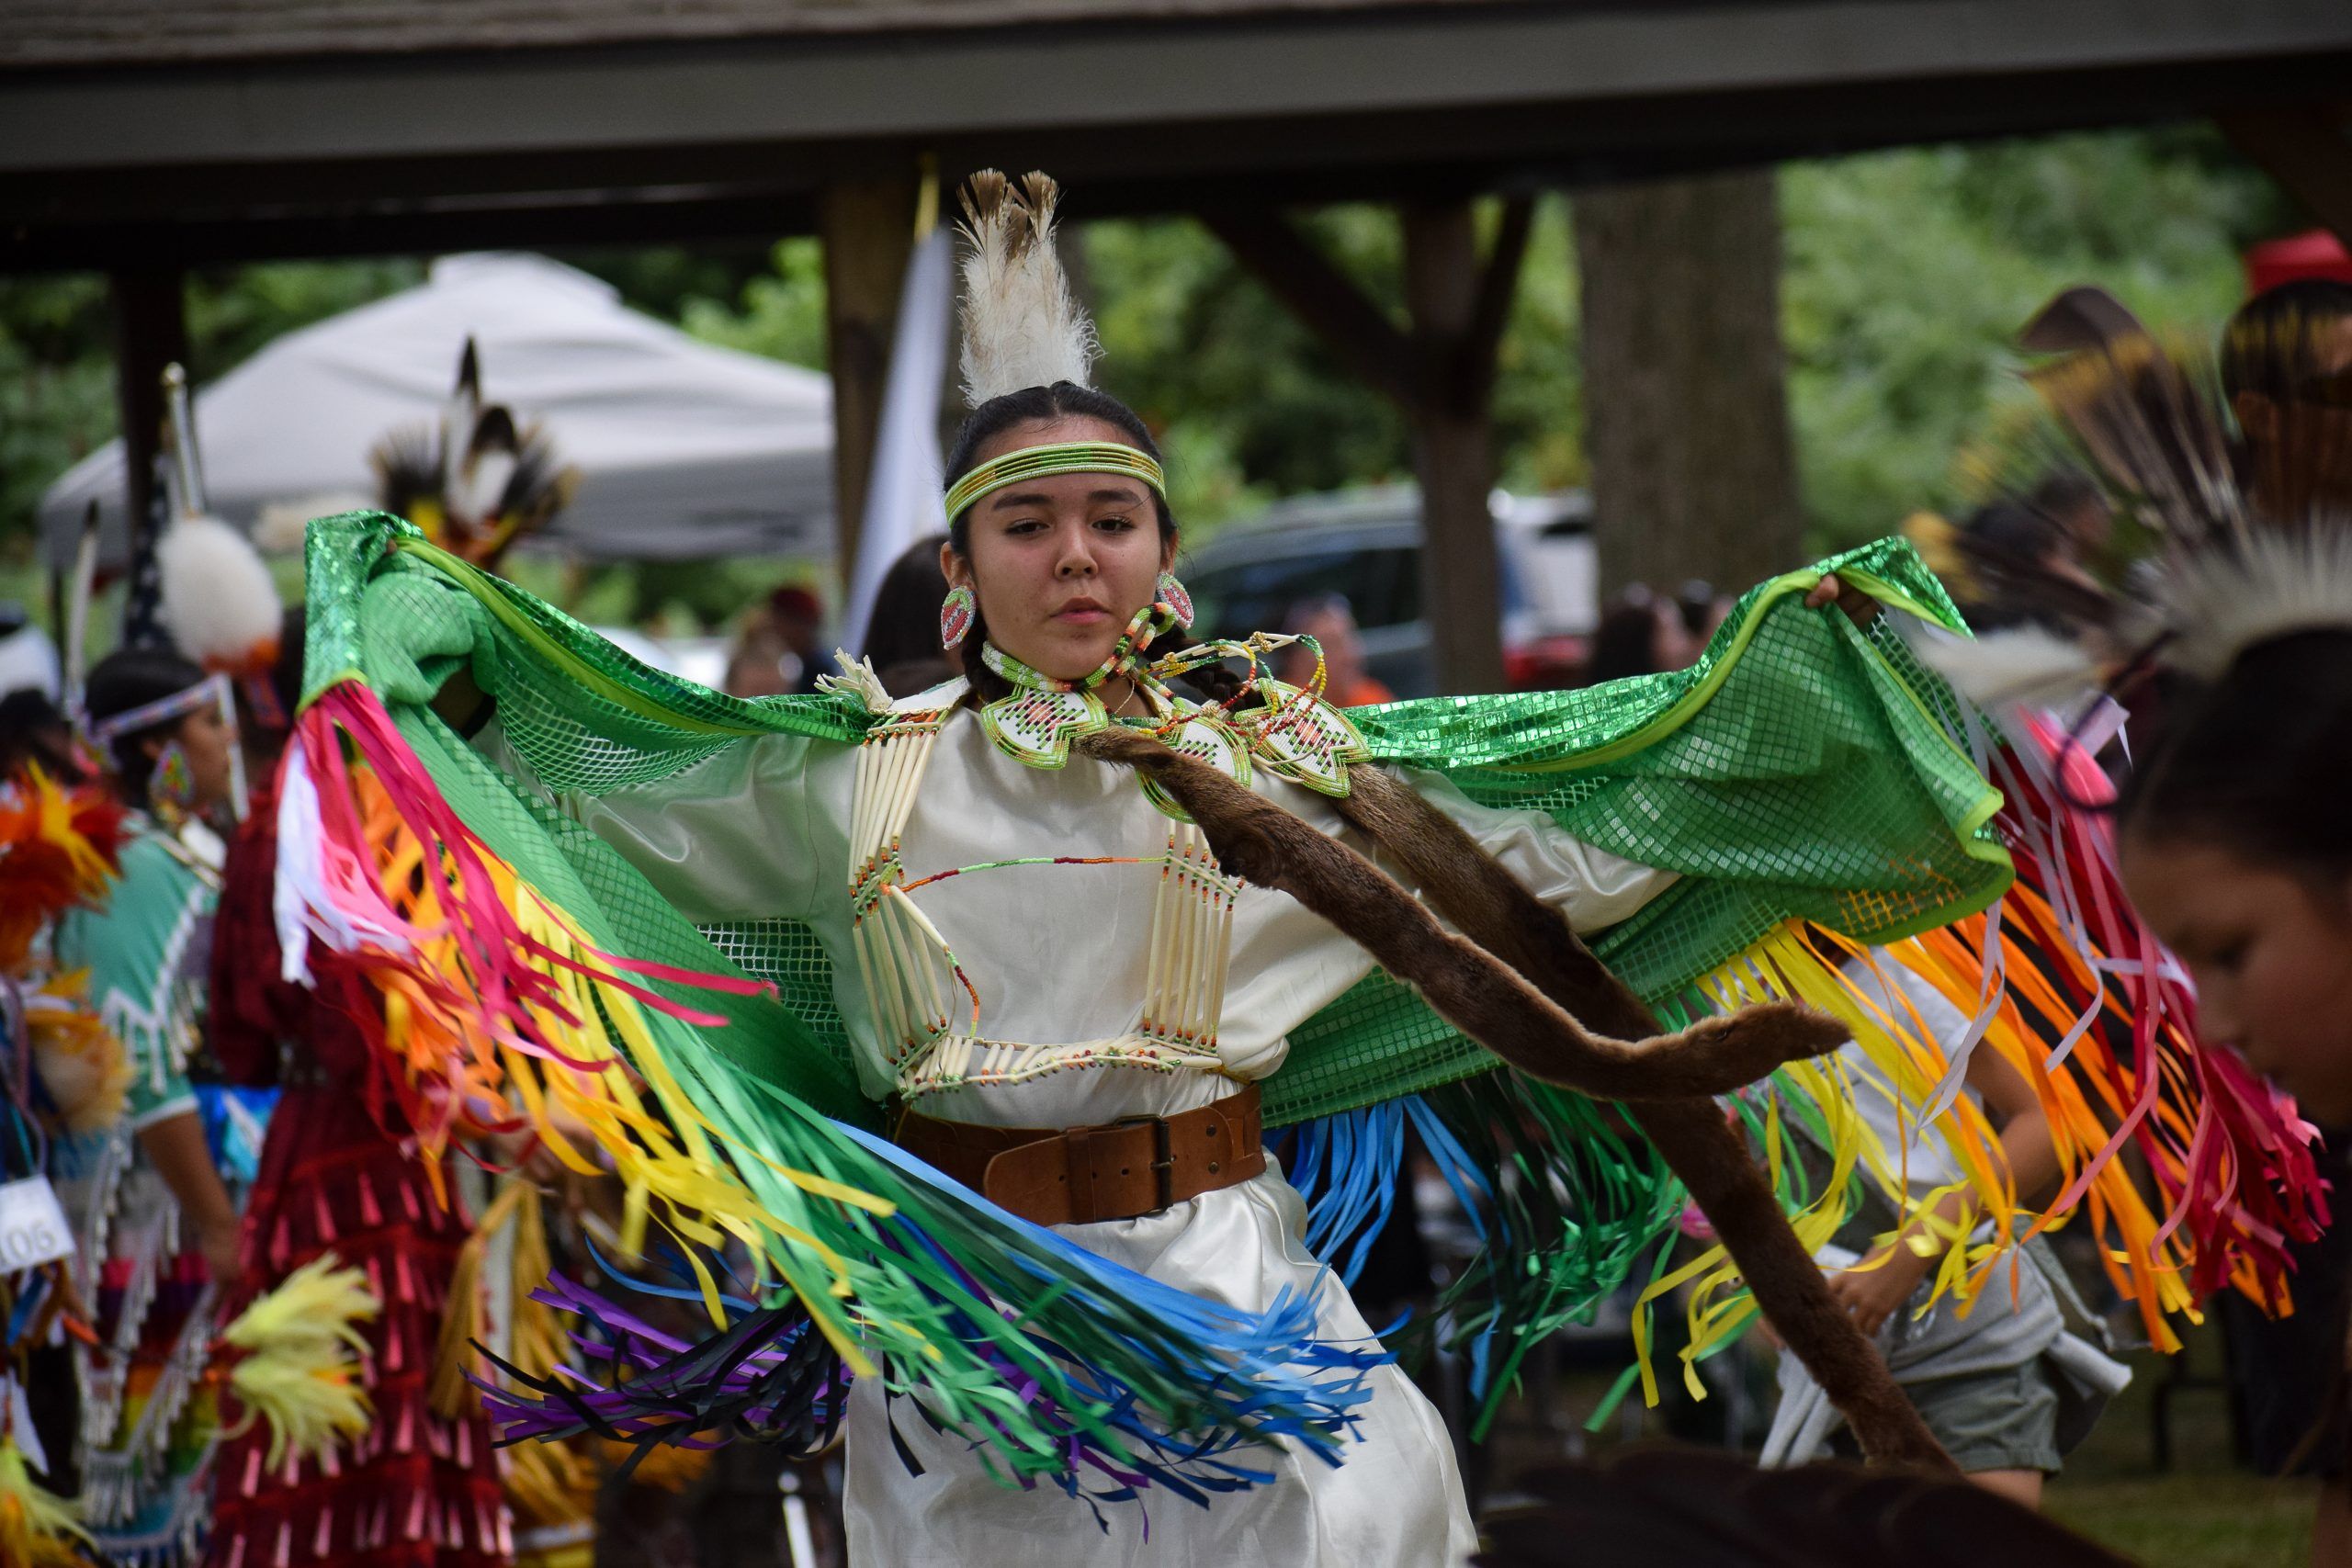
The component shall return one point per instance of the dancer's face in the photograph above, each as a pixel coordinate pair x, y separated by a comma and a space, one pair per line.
2272, 957
208, 739
1061, 564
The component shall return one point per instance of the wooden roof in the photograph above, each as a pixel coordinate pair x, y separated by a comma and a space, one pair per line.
195, 130
115, 33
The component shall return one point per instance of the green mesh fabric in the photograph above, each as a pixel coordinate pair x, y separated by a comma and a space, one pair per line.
788, 955
393, 609
1801, 768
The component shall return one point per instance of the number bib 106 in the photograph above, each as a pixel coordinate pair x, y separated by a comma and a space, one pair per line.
32, 1224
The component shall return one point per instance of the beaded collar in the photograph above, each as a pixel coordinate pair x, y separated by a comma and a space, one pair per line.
1294, 733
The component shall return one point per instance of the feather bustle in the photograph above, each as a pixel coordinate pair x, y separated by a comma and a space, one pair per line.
2252, 522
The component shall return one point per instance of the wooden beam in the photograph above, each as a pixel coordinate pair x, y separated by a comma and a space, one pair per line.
2306, 151
150, 331
1357, 332
174, 205
868, 227
1453, 447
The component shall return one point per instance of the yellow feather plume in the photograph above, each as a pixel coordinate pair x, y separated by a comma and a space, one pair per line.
37, 1527
81, 1063
300, 1370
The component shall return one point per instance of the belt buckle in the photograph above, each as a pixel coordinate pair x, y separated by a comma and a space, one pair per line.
1163, 1158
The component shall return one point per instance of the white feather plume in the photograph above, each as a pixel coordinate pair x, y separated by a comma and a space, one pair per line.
2023, 664
1022, 325
2266, 584
219, 601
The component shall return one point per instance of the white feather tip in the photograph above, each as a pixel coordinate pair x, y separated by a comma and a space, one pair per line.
2224, 600
1022, 325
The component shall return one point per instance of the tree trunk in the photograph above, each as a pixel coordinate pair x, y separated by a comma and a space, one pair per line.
1686, 402
1453, 450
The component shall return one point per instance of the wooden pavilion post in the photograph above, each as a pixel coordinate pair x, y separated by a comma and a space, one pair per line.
867, 228
1458, 310
1440, 370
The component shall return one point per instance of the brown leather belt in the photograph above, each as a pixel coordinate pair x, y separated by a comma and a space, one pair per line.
1078, 1176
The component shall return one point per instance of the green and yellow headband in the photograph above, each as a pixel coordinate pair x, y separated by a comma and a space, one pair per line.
1040, 462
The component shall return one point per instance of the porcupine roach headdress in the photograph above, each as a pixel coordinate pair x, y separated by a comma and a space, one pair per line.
477, 479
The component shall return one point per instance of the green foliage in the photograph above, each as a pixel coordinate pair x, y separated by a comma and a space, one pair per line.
780, 312
1250, 405
663, 281
1248, 402
56, 389
1909, 273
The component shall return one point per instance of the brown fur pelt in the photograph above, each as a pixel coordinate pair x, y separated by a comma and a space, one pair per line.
1480, 982
1257, 840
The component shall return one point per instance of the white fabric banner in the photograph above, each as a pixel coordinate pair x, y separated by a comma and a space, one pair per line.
902, 493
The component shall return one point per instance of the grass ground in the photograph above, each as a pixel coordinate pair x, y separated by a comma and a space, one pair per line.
2202, 1511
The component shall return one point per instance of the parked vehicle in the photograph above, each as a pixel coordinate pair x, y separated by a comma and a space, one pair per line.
1366, 545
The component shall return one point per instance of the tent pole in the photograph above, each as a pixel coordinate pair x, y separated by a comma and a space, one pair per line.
150, 331
868, 227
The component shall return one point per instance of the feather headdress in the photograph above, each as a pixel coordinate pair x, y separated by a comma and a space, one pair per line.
476, 480
2239, 470
1022, 325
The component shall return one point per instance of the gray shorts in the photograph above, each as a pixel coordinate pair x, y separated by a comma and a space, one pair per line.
1997, 1420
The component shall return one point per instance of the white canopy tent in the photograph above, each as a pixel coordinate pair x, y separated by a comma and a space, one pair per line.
685, 450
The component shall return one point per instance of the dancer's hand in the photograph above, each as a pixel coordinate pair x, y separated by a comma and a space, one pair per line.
1876, 1289
1860, 607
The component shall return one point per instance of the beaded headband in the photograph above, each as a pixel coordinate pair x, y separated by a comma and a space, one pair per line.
1039, 462
213, 690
